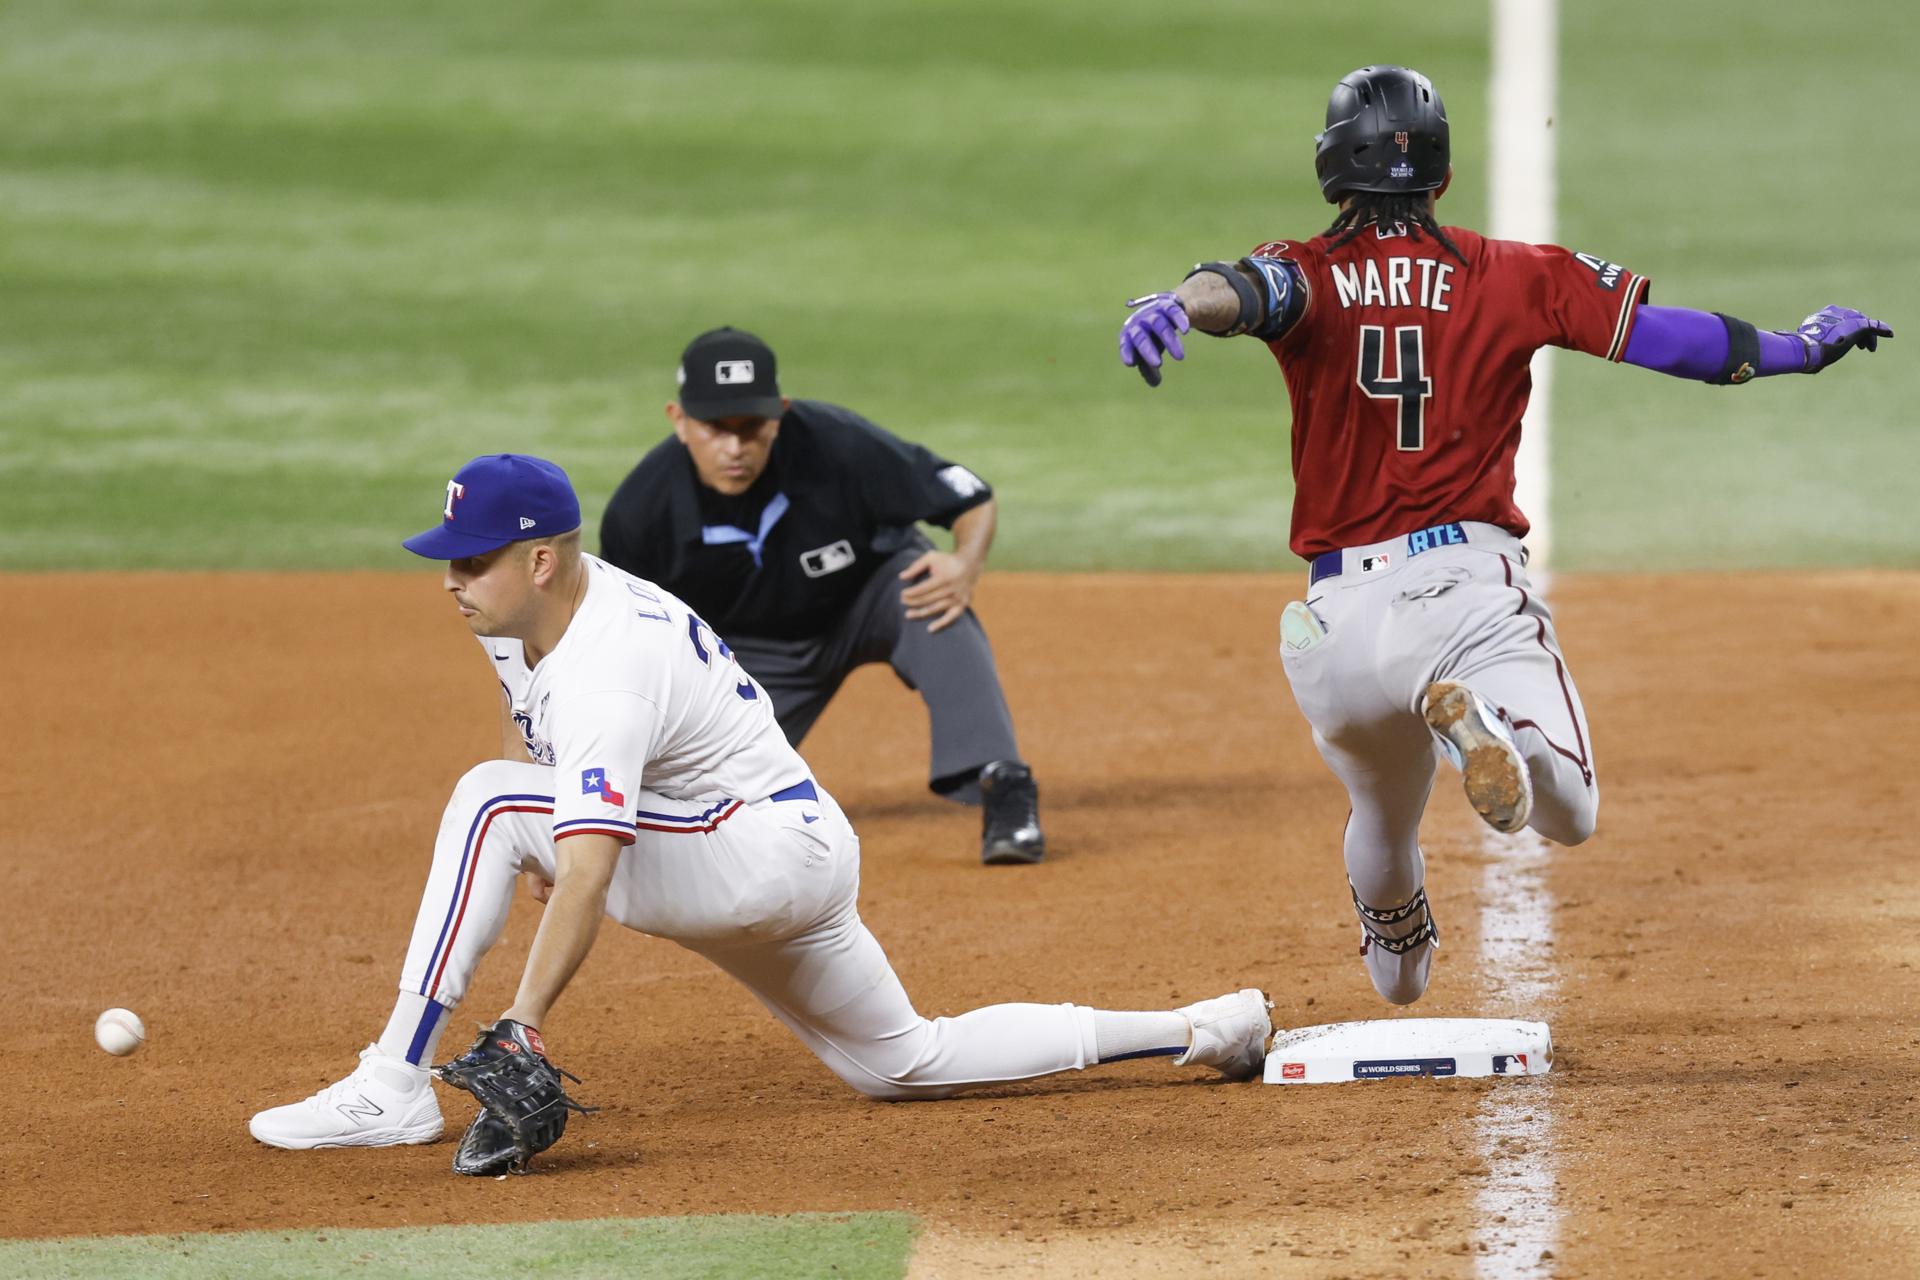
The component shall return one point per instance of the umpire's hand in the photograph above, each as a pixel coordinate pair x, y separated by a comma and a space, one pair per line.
944, 590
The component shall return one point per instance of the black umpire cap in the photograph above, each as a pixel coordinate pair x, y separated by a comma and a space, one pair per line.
729, 373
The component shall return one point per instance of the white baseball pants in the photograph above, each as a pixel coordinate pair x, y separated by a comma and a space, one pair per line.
766, 890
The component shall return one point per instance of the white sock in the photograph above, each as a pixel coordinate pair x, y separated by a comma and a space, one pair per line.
1140, 1035
413, 1032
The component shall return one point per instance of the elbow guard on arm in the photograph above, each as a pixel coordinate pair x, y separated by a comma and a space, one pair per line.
1272, 294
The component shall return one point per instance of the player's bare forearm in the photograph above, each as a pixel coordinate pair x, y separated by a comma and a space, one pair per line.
584, 868
973, 533
1210, 302
1218, 298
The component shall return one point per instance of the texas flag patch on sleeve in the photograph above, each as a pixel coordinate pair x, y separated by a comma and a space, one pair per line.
593, 782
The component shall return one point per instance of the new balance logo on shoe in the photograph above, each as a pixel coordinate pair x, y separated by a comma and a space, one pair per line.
362, 1108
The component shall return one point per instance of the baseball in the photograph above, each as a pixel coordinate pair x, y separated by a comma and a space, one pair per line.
119, 1031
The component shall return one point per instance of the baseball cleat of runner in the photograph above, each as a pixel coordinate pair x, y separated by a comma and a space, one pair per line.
1481, 746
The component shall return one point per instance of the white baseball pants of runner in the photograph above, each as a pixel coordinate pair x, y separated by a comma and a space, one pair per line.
765, 890
1395, 623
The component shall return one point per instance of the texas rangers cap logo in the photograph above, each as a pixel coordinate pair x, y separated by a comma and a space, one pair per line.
496, 499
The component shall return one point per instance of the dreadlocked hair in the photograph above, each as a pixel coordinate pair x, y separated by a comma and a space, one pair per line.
1384, 208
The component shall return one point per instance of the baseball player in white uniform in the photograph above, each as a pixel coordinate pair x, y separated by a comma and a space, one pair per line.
647, 780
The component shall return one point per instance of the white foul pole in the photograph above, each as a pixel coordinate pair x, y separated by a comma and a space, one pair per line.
1522, 191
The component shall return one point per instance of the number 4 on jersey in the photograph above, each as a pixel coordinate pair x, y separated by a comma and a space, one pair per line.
1410, 386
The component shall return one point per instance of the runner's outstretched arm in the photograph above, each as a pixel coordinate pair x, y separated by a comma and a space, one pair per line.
1706, 346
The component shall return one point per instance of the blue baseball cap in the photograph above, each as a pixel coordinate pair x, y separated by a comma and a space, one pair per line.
497, 499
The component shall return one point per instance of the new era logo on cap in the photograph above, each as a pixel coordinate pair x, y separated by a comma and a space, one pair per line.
497, 499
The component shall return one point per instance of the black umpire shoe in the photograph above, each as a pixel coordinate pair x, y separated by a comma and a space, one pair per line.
1010, 815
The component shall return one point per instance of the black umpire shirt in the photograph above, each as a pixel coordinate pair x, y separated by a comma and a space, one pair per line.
785, 559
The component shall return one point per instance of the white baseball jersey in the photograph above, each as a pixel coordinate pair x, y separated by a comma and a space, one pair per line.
646, 729
640, 694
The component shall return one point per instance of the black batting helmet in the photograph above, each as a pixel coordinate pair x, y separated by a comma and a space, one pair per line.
1386, 131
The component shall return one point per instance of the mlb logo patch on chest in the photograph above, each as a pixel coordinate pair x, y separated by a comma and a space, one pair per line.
832, 558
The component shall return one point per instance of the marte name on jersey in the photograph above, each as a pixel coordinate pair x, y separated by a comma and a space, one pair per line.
1361, 283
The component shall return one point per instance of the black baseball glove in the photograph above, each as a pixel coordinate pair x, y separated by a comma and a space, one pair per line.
523, 1104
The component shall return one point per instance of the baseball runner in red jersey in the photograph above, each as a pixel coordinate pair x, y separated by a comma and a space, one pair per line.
1406, 346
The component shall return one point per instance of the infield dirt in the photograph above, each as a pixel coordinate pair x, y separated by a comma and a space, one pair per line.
223, 791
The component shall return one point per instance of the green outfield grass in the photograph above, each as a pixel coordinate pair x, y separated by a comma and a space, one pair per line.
862, 1246
269, 272
1737, 154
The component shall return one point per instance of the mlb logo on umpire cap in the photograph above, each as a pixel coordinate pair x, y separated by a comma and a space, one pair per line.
729, 373
496, 499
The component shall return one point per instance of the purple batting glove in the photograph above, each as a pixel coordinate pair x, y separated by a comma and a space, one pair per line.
1831, 332
1153, 328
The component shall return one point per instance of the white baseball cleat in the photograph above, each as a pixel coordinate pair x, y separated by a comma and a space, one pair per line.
1230, 1032
386, 1102
1481, 746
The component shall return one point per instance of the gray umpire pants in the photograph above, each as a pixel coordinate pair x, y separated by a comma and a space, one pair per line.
951, 669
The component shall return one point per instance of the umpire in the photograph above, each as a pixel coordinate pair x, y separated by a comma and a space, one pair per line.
790, 526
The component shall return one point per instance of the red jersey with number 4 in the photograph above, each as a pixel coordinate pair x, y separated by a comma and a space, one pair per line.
1408, 373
